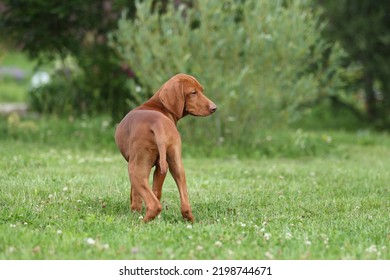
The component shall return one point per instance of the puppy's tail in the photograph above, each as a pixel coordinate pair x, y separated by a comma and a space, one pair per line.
159, 133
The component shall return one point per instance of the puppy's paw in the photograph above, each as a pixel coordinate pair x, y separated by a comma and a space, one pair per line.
187, 215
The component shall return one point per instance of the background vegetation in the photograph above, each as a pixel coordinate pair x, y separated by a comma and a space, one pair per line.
71, 39
290, 55
294, 165
259, 60
362, 31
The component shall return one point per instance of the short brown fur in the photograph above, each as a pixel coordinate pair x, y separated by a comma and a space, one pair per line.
147, 136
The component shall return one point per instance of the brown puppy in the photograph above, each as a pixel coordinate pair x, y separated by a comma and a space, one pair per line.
147, 136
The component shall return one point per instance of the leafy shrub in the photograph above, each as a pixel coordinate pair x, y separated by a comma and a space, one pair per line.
258, 61
57, 93
366, 38
55, 30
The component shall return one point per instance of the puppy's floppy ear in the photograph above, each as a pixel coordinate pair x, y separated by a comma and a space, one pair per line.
172, 97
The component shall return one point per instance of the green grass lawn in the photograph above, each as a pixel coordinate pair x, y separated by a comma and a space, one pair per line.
12, 89
68, 198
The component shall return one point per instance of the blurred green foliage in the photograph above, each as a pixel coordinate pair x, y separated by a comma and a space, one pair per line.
15, 74
362, 28
258, 60
55, 30
266, 64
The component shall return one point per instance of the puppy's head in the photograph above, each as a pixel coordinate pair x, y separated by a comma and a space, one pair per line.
183, 95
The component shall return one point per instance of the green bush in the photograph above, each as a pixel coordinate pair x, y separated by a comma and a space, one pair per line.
258, 60
55, 30
366, 38
74, 89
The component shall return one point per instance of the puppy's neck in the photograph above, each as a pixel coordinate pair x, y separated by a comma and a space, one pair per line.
155, 104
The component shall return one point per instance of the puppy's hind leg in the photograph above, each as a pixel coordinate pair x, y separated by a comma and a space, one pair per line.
140, 189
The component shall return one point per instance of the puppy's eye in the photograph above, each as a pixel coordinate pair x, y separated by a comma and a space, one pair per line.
193, 92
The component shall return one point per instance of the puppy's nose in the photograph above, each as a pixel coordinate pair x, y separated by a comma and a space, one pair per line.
213, 108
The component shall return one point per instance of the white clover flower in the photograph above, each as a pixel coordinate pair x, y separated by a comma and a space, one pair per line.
90, 241
325, 239
267, 236
218, 243
134, 250
288, 236
269, 255
372, 249
11, 249
199, 248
